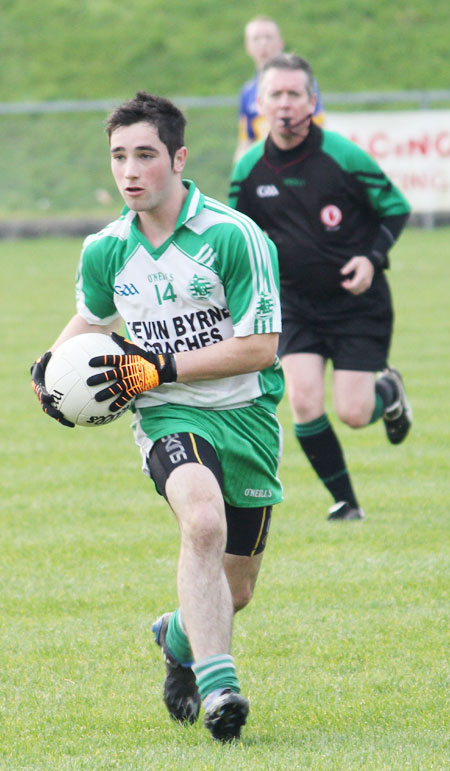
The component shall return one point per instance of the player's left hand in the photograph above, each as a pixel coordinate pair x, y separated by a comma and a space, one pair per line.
358, 273
46, 400
134, 372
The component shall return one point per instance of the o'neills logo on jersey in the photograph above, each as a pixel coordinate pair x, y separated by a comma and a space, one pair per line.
267, 191
331, 216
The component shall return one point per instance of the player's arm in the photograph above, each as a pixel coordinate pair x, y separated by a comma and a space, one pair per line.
79, 326
234, 356
248, 281
76, 326
95, 302
139, 370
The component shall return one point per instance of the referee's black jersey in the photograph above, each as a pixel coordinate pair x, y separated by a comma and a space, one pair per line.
322, 203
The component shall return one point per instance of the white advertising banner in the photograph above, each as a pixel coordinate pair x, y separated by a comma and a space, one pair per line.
412, 148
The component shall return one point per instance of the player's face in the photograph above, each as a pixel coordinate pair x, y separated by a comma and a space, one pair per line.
142, 167
262, 41
285, 103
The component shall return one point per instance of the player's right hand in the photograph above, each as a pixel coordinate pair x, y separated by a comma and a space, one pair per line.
38, 384
134, 372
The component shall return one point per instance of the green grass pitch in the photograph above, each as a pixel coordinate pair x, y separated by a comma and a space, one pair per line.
344, 651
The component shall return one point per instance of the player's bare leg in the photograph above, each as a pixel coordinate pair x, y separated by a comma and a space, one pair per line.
242, 573
205, 597
180, 692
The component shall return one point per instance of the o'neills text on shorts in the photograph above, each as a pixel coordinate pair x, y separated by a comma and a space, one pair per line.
251, 493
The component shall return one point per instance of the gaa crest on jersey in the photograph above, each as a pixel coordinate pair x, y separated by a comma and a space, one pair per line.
331, 216
265, 306
267, 191
200, 287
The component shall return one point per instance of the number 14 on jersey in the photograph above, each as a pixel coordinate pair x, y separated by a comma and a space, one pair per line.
166, 295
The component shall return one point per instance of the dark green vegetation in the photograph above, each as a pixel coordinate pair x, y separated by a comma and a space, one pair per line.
59, 163
343, 651
100, 49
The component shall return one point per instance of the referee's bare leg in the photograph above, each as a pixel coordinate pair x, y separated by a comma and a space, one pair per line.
354, 396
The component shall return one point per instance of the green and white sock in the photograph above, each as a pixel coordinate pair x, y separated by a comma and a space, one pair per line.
177, 640
216, 673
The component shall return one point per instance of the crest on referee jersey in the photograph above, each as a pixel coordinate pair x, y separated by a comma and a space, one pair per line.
331, 216
200, 287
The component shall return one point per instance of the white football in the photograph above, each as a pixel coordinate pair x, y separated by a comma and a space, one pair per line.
66, 375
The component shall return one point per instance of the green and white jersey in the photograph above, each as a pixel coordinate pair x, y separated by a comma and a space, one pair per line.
215, 277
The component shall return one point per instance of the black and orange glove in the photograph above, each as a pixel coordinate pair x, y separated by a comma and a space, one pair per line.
38, 383
134, 372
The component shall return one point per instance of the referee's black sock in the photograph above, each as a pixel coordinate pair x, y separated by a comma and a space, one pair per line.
386, 394
385, 388
321, 446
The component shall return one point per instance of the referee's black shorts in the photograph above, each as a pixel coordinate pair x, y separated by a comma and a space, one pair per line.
360, 352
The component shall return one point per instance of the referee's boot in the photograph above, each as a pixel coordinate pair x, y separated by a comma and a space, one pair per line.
344, 511
181, 695
398, 416
225, 714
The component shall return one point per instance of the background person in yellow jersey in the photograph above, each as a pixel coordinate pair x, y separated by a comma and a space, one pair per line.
333, 215
263, 40
203, 321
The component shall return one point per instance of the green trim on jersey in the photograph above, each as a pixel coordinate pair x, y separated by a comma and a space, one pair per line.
386, 199
255, 297
243, 168
96, 277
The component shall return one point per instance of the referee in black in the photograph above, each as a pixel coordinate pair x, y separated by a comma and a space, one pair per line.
333, 215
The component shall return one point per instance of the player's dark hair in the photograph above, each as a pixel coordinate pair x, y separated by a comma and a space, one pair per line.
285, 61
159, 112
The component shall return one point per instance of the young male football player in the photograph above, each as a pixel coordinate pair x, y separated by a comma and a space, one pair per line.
333, 215
196, 284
